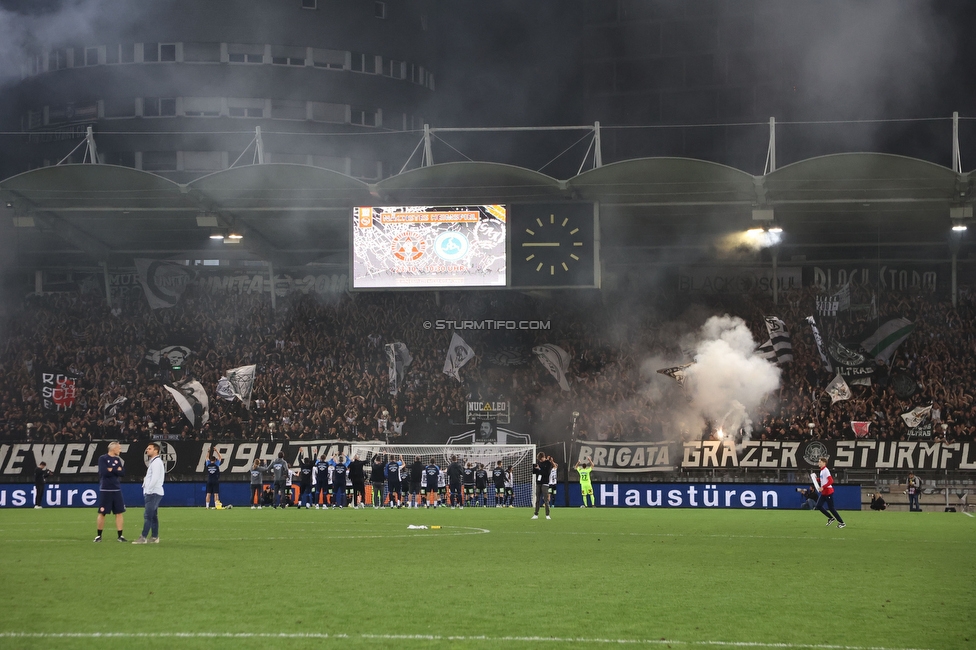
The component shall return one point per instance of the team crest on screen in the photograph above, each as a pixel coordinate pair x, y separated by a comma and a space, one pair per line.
407, 248
451, 246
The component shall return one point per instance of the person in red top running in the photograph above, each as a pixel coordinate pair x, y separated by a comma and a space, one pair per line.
827, 496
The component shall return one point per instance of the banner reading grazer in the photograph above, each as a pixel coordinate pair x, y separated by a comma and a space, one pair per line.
634, 457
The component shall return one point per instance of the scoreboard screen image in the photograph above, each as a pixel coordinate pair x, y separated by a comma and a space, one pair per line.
429, 247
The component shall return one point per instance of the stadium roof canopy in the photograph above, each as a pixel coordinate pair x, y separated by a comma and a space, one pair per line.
831, 206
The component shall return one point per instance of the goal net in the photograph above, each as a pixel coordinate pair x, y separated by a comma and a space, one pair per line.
519, 457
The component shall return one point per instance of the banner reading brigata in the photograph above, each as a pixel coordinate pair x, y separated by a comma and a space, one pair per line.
635, 457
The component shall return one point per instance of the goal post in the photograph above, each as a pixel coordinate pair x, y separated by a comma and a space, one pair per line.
519, 457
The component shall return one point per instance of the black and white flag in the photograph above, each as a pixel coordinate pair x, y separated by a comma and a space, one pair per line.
458, 354
820, 343
838, 389
238, 383
398, 358
193, 401
779, 347
556, 361
162, 282
676, 373
176, 355
111, 409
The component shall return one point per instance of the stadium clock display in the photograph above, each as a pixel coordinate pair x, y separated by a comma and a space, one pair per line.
553, 245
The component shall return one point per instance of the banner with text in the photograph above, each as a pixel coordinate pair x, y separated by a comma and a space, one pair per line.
636, 457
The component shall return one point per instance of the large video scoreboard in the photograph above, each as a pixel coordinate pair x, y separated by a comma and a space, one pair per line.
523, 246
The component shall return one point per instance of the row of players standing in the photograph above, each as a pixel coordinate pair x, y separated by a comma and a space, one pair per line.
340, 481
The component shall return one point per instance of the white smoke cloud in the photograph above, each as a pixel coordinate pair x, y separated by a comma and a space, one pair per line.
729, 381
23, 33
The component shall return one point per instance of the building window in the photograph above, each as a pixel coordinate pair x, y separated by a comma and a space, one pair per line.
121, 158
241, 111
245, 107
288, 56
119, 53
363, 116
379, 10
201, 106
115, 107
153, 52
245, 53
158, 107
392, 68
57, 60
363, 63
285, 109
91, 56
324, 112
309, 4
202, 161
201, 52
333, 59
159, 161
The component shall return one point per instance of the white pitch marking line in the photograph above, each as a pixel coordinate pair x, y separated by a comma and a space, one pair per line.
967, 514
428, 637
461, 532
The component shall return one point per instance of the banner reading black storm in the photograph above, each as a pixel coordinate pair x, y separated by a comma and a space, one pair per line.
638, 457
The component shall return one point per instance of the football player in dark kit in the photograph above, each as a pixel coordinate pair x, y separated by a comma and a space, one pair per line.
394, 487
322, 483
111, 469
41, 474
357, 476
498, 481
212, 467
481, 485
306, 466
467, 480
432, 471
377, 476
340, 467
454, 473
542, 469
416, 476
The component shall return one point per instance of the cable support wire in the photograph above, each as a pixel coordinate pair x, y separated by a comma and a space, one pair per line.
459, 129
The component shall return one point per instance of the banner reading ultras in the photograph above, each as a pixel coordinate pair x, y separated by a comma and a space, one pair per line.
416, 247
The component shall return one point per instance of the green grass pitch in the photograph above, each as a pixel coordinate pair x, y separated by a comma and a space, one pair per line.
490, 578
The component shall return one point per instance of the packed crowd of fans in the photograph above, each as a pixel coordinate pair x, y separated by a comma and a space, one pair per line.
322, 371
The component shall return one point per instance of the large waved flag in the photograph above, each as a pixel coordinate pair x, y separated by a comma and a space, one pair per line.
162, 282
860, 429
838, 389
779, 347
192, 400
238, 383
556, 361
676, 373
918, 415
458, 354
883, 343
398, 357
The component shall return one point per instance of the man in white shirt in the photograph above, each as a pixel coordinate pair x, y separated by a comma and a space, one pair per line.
152, 490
